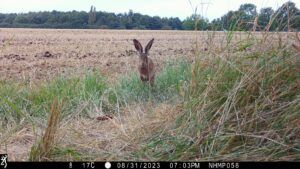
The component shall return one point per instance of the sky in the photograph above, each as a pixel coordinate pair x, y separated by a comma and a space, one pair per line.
210, 9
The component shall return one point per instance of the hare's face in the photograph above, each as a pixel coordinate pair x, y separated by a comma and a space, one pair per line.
144, 59
143, 55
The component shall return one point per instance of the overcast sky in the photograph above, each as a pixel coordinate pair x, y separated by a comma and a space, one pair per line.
162, 8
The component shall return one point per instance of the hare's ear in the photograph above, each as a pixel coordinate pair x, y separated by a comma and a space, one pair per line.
138, 46
148, 47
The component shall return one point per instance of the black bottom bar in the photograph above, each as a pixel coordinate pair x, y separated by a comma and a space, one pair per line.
150, 165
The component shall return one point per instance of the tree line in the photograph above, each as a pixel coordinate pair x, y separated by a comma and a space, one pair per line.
285, 18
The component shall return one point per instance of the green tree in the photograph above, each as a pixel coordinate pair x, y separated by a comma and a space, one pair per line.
247, 14
248, 9
129, 20
190, 22
175, 23
287, 16
92, 16
154, 23
231, 21
21, 19
265, 18
216, 25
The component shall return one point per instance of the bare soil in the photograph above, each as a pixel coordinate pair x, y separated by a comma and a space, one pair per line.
34, 54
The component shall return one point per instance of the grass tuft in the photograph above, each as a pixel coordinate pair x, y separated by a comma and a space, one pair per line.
42, 151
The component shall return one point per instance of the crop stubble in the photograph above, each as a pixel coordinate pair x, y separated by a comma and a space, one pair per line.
39, 54
42, 53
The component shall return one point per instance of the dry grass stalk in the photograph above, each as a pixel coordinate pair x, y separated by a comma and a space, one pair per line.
255, 23
296, 45
42, 151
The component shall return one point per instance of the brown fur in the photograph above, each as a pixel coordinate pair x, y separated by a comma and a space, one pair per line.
146, 66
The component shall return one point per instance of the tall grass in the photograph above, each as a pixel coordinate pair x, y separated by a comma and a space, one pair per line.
242, 107
37, 100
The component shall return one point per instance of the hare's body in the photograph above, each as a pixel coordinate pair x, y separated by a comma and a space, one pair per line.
146, 66
147, 72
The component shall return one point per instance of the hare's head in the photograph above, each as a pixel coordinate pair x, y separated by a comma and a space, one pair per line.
139, 48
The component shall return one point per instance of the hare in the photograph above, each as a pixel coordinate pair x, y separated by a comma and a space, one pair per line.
146, 66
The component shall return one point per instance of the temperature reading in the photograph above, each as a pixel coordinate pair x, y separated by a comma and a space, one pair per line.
88, 165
